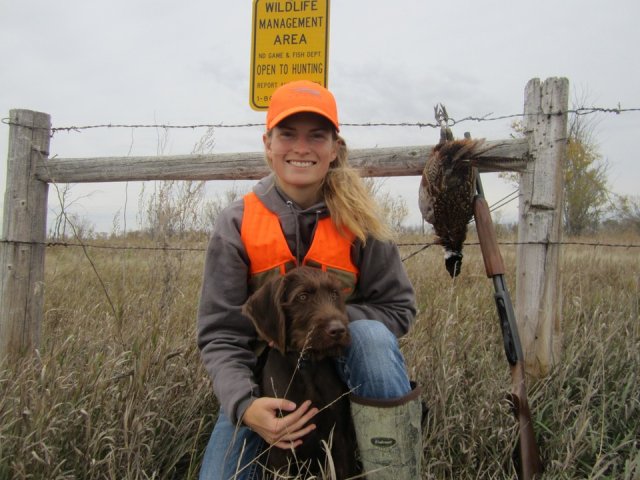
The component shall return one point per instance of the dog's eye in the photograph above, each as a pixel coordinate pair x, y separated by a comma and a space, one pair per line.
302, 297
334, 294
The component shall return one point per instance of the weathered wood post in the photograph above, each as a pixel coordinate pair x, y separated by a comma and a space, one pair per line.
538, 289
24, 233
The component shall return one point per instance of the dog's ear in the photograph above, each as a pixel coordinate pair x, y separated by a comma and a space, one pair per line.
264, 309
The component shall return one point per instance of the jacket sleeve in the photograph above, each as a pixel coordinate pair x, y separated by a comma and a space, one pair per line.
225, 336
384, 291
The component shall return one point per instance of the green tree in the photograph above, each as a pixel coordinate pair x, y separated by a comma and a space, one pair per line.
586, 194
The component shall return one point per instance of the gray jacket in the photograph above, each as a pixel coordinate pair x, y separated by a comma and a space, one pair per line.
227, 339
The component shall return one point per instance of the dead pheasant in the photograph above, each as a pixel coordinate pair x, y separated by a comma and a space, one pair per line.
447, 189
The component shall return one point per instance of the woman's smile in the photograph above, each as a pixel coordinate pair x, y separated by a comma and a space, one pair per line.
300, 163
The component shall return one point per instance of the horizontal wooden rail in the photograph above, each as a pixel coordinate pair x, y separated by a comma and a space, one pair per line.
512, 155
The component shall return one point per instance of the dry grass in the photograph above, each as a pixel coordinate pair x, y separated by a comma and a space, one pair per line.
117, 389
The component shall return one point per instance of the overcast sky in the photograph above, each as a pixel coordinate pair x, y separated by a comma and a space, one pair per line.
184, 63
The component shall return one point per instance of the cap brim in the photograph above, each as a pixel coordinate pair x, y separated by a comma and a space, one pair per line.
291, 111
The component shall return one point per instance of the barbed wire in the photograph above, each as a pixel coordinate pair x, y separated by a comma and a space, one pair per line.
416, 252
423, 245
506, 200
560, 243
57, 243
451, 122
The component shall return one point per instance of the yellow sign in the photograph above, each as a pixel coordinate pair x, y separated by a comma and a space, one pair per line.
289, 41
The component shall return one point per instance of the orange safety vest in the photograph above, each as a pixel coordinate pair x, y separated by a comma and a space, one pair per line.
269, 253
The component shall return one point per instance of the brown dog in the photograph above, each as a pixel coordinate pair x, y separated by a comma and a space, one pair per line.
303, 315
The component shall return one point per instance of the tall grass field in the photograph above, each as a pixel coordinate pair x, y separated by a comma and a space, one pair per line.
116, 389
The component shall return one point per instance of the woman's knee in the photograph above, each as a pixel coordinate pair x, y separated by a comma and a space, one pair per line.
371, 337
374, 366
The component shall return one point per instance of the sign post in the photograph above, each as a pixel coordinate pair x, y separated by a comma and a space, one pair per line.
290, 40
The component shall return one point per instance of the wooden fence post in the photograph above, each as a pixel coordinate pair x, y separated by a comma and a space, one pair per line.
23, 235
538, 295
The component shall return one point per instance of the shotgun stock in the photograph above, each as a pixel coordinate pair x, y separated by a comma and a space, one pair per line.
530, 462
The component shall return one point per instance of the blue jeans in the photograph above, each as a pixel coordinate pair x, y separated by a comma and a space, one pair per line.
373, 367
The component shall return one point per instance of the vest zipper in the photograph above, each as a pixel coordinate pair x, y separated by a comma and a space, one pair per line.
297, 226
294, 212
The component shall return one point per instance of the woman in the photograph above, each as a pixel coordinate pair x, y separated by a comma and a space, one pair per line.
272, 229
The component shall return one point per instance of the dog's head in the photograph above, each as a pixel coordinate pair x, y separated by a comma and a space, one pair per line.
302, 311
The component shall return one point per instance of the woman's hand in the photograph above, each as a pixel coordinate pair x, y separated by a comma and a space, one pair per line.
286, 431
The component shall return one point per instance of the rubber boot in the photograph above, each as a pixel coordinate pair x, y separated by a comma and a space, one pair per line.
389, 434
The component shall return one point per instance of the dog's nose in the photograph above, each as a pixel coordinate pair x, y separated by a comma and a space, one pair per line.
336, 329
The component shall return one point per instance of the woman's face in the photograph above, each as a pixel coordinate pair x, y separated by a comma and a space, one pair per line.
300, 150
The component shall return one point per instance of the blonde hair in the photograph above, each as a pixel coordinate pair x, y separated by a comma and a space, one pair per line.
350, 201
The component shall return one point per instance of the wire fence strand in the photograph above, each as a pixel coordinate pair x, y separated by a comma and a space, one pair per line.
490, 117
423, 245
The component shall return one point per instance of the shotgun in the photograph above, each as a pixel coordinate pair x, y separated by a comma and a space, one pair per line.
530, 462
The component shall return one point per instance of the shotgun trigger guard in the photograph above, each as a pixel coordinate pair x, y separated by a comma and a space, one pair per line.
510, 349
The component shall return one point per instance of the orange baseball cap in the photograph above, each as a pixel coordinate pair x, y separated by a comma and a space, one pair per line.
301, 96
